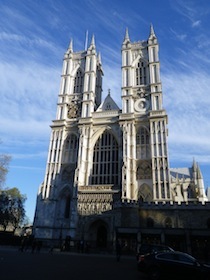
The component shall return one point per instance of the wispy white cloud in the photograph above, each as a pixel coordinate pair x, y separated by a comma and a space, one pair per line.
187, 101
28, 98
25, 167
196, 23
33, 42
12, 38
33, 156
179, 36
191, 10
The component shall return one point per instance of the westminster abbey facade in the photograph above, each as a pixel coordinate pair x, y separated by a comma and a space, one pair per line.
108, 174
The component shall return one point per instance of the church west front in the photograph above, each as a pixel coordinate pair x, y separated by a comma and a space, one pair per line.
108, 173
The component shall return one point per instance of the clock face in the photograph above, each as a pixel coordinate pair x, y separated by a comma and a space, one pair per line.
141, 105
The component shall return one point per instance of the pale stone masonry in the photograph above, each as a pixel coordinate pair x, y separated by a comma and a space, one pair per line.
103, 159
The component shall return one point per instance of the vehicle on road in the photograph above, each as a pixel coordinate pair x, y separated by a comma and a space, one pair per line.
173, 265
145, 249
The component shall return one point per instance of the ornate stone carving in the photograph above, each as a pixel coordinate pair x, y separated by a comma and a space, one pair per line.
90, 204
74, 107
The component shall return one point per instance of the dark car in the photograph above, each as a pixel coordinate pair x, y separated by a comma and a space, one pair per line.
173, 265
145, 249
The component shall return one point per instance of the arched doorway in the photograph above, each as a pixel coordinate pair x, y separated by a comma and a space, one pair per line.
98, 234
101, 240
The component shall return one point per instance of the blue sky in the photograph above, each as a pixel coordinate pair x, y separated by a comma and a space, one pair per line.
34, 35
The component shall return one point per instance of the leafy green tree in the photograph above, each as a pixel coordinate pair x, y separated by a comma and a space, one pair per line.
12, 212
4, 163
4, 214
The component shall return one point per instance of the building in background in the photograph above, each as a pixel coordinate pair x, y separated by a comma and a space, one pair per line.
108, 174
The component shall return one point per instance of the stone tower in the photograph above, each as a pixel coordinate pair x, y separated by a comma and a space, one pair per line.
104, 162
144, 123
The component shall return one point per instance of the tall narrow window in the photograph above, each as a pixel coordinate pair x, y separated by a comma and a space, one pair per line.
78, 82
55, 150
126, 78
157, 103
105, 161
67, 67
126, 58
67, 207
153, 55
142, 144
64, 85
155, 74
108, 106
71, 149
141, 73
90, 64
88, 83
61, 113
87, 110
127, 106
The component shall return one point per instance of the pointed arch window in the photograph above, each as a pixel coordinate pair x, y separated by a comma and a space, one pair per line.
67, 207
126, 78
78, 82
141, 73
64, 204
105, 161
108, 106
71, 149
126, 58
142, 143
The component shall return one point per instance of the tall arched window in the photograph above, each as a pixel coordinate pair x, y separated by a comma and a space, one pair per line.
64, 204
141, 73
105, 161
67, 207
71, 149
142, 143
78, 82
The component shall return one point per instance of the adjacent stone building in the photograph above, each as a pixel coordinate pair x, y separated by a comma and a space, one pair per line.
108, 174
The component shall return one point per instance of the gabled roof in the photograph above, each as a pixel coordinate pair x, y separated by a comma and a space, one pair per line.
108, 104
181, 173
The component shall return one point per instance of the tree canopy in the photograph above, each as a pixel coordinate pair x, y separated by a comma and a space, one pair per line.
12, 212
4, 163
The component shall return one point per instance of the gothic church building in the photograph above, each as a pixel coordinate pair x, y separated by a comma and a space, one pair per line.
108, 174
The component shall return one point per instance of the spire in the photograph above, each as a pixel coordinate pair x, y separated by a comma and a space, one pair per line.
93, 41
70, 48
126, 35
152, 32
199, 173
152, 35
194, 165
92, 46
99, 58
126, 38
